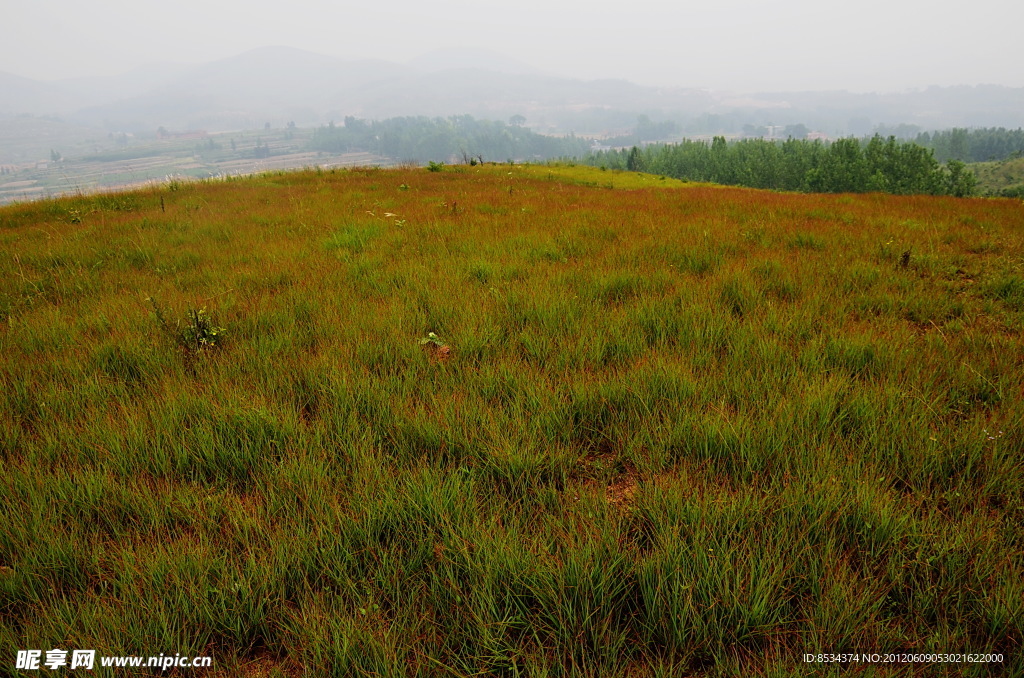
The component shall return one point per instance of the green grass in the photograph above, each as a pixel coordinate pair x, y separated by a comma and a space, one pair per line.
1004, 177
682, 430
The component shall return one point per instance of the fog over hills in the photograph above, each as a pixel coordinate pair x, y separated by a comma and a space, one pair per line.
455, 58
278, 85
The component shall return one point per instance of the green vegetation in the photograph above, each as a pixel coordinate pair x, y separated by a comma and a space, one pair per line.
844, 166
974, 145
196, 333
512, 421
1004, 178
422, 139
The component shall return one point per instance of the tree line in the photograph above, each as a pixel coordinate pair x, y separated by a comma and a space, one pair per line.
974, 145
843, 166
421, 139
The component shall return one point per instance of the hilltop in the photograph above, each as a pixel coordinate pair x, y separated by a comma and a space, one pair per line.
513, 420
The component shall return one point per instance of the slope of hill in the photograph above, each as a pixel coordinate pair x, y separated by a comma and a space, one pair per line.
23, 95
275, 84
1005, 177
513, 420
456, 58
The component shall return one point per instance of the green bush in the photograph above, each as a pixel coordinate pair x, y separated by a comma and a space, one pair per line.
197, 332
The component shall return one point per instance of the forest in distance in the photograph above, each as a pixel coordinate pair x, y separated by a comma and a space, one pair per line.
932, 163
421, 139
982, 144
958, 161
844, 166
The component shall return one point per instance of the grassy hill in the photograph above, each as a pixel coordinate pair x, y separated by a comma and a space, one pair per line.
1000, 177
512, 421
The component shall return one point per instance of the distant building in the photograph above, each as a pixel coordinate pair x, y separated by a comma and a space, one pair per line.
817, 136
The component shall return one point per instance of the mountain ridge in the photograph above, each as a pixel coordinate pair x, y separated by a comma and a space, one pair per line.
279, 84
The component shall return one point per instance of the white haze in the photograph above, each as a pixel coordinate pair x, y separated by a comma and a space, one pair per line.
747, 45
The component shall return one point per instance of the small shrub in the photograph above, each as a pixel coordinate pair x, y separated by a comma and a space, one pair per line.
197, 332
434, 166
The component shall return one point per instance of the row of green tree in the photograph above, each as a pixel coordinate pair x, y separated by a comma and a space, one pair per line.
974, 145
421, 139
843, 166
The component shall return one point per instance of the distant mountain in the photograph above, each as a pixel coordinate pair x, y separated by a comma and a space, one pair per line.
98, 90
277, 85
280, 84
271, 84
20, 95
461, 58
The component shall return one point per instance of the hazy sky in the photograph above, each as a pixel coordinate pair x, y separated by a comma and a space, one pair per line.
867, 45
